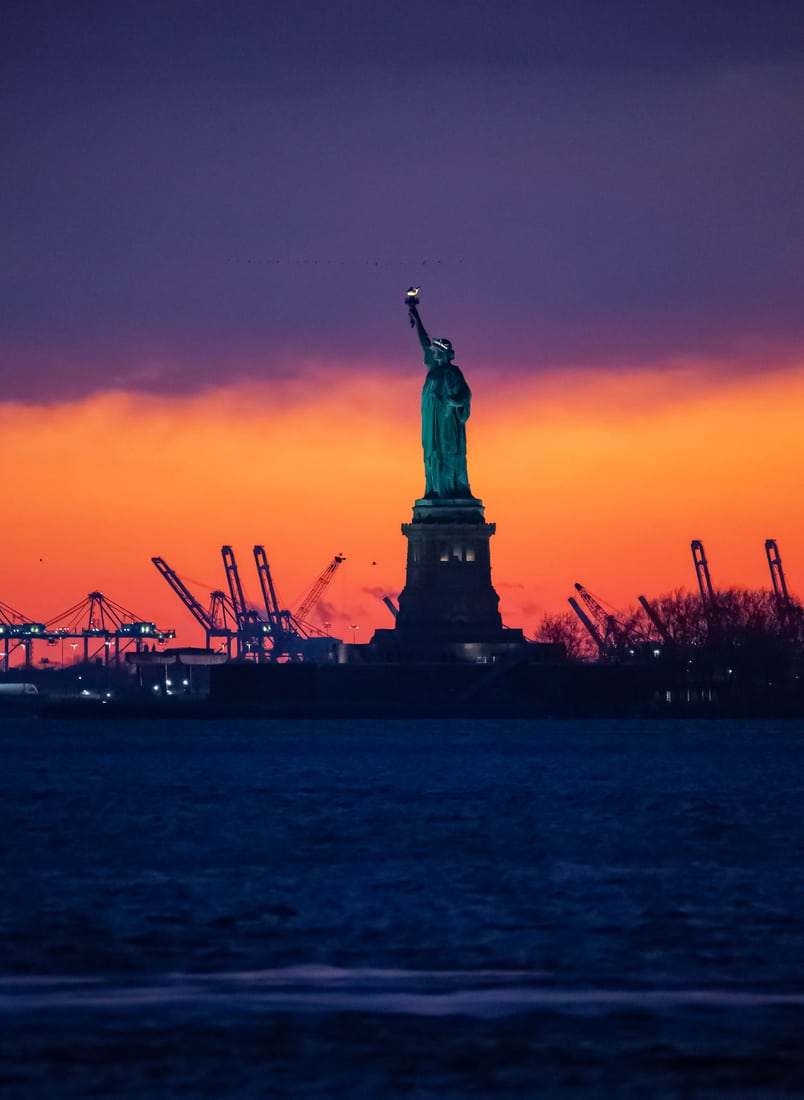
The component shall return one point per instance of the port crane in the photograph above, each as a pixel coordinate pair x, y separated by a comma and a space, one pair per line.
108, 623
18, 628
590, 626
284, 629
708, 598
777, 575
252, 630
279, 633
215, 621
608, 633
788, 610
292, 628
318, 589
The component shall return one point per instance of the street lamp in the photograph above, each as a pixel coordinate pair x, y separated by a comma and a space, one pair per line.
354, 629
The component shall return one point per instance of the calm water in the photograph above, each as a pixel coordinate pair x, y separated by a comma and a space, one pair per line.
433, 909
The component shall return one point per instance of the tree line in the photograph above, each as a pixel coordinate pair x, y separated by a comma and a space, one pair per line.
740, 618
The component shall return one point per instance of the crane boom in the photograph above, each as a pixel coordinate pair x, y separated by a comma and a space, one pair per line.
284, 629
711, 610
319, 587
653, 615
184, 594
612, 632
702, 573
267, 585
253, 632
9, 615
235, 587
777, 575
590, 626
214, 622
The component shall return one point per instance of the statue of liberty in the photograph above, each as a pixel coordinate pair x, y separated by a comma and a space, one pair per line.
446, 400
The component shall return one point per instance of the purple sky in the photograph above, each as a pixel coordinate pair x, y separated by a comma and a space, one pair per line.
241, 190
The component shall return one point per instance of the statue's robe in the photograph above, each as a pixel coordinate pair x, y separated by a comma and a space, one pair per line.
446, 401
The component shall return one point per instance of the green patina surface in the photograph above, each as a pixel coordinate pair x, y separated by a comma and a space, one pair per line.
446, 404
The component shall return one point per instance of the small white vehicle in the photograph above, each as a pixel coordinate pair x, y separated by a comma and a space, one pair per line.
15, 690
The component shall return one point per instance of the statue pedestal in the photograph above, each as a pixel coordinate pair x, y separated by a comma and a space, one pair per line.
448, 609
447, 510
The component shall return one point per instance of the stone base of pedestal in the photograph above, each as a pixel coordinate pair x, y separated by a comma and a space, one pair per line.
448, 609
427, 647
447, 510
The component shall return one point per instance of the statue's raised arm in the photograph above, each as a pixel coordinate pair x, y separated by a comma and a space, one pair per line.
412, 302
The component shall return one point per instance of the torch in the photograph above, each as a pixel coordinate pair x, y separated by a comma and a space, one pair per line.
412, 301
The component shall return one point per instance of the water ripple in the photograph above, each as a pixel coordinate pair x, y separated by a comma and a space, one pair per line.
313, 988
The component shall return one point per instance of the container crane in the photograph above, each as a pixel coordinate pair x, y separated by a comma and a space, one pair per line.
108, 622
708, 598
702, 573
788, 610
279, 619
252, 630
17, 628
267, 584
235, 587
291, 628
213, 621
777, 576
284, 629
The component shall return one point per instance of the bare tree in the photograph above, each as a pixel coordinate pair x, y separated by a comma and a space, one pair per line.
739, 616
744, 620
567, 630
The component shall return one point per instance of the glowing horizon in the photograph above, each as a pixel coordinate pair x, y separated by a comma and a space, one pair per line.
605, 481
